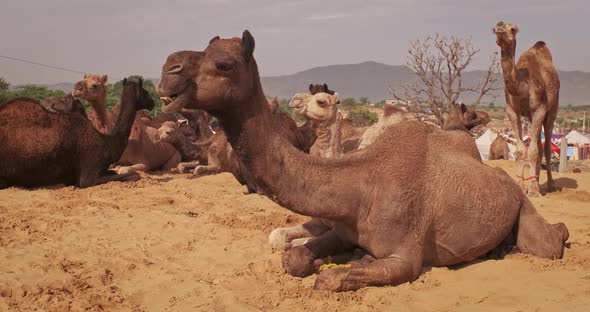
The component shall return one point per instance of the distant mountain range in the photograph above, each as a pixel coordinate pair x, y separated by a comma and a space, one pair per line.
371, 79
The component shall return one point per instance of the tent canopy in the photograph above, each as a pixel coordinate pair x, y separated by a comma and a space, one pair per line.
575, 137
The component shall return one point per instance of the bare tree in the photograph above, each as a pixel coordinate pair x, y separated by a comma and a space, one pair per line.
439, 63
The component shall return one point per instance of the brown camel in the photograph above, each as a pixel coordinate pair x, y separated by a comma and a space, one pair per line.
93, 89
64, 104
499, 149
175, 134
460, 117
43, 148
532, 91
405, 204
143, 152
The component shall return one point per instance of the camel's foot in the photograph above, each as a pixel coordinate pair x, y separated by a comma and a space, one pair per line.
186, 167
537, 237
124, 170
335, 280
551, 186
201, 171
299, 261
533, 189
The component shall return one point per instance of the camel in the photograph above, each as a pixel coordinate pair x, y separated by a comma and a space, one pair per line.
192, 153
64, 104
404, 204
460, 117
43, 148
143, 152
532, 91
499, 149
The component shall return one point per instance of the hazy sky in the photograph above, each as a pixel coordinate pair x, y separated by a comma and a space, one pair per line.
126, 37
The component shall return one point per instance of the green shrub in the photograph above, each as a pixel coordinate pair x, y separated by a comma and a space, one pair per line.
362, 116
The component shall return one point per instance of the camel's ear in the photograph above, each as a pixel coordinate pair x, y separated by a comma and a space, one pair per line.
104, 79
140, 82
86, 76
463, 108
247, 45
326, 87
310, 87
213, 39
124, 81
516, 29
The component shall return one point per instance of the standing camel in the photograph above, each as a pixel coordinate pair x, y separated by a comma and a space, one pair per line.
404, 204
532, 91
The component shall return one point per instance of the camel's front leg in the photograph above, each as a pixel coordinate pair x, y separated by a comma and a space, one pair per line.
520, 147
280, 237
534, 155
134, 168
187, 167
299, 261
393, 270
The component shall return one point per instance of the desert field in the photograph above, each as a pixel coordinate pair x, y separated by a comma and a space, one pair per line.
178, 243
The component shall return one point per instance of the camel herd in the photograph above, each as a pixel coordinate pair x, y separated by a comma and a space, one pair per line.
384, 201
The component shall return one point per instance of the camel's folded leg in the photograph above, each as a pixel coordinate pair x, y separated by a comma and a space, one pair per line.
280, 237
91, 181
393, 270
206, 170
134, 168
3, 184
299, 261
186, 167
537, 236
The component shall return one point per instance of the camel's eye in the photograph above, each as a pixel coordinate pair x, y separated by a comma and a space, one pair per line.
224, 66
322, 102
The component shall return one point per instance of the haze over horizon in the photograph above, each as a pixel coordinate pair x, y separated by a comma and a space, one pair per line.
134, 37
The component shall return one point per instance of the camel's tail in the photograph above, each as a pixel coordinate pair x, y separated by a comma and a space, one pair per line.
538, 237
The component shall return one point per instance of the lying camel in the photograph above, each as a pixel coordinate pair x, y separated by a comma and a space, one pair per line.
143, 152
499, 149
43, 148
192, 153
64, 104
460, 117
405, 204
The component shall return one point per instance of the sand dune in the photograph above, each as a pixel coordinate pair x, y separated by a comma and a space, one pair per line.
176, 243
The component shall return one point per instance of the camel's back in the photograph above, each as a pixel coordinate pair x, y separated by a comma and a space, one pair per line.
37, 146
537, 64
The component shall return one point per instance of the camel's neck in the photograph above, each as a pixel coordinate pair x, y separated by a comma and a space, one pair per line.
100, 108
290, 177
509, 69
329, 134
119, 135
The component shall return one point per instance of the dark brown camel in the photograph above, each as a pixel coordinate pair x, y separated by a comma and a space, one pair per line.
532, 91
404, 204
317, 88
44, 148
499, 149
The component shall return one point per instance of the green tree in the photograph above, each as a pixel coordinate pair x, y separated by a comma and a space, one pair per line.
364, 100
38, 93
4, 85
362, 117
348, 102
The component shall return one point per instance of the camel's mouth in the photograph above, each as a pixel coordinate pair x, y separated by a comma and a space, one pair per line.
175, 102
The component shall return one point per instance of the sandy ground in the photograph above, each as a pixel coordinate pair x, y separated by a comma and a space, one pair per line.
176, 243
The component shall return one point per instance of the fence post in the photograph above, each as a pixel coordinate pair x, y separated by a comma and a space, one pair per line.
563, 156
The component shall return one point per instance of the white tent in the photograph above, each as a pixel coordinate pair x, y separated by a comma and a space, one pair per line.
575, 137
485, 141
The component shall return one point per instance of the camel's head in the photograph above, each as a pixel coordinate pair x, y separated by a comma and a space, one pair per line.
505, 34
227, 76
463, 117
317, 88
135, 90
92, 88
299, 102
321, 107
167, 132
177, 84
